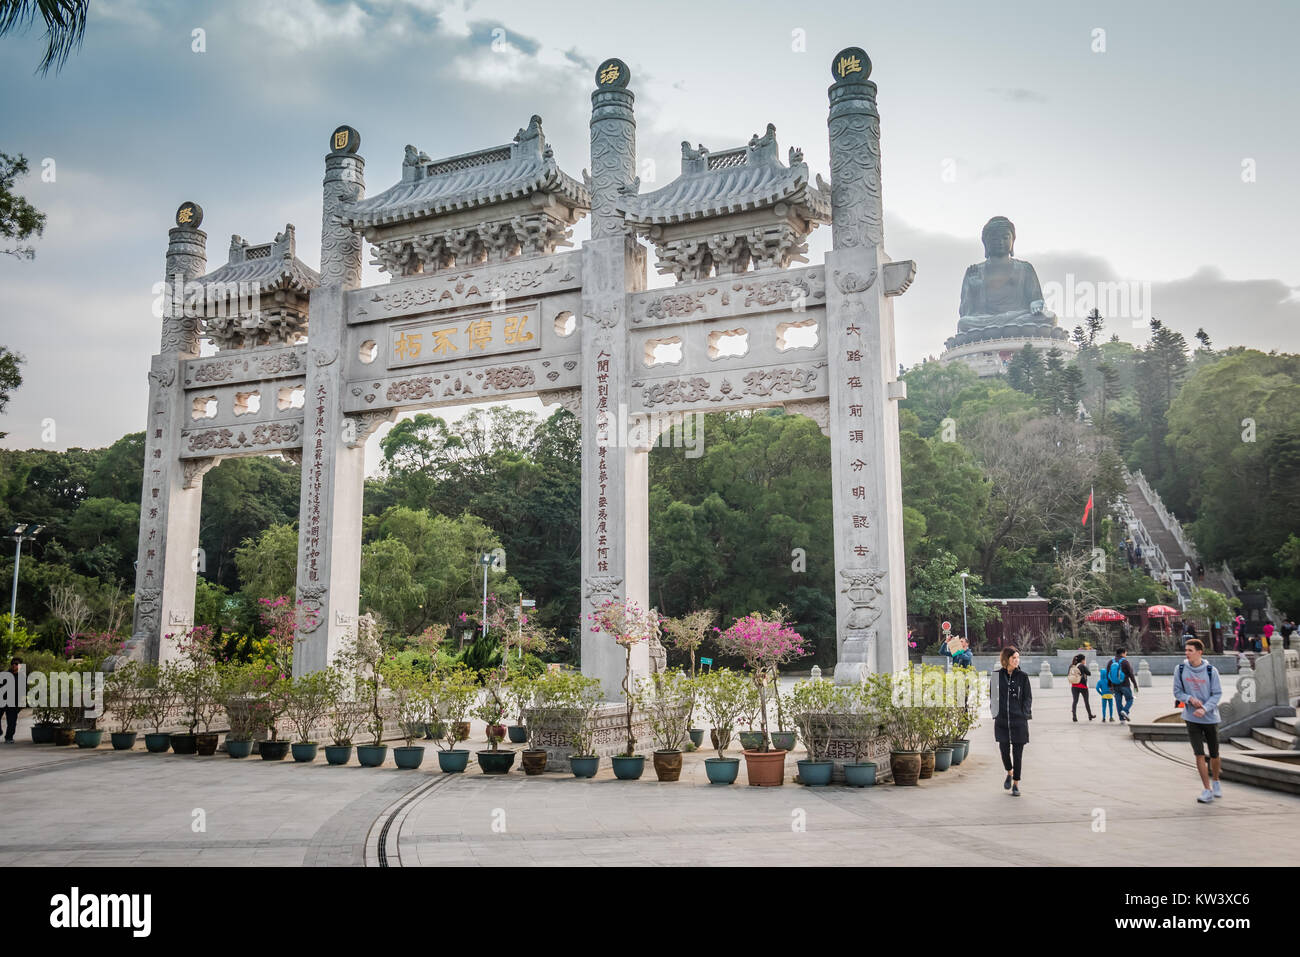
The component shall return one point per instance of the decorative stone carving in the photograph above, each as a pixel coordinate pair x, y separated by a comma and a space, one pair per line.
366, 423
267, 434
195, 469
600, 587
899, 276
852, 282
728, 210
312, 596
260, 296
340, 247
862, 586
613, 147
568, 399
819, 410
509, 377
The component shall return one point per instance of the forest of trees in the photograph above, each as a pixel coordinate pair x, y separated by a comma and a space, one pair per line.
995, 476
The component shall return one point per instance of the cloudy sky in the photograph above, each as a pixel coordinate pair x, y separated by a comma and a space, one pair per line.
1150, 143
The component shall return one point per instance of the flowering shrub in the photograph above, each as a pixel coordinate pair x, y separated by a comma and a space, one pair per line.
764, 643
93, 648
628, 624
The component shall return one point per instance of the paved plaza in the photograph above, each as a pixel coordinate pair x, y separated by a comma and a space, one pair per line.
64, 806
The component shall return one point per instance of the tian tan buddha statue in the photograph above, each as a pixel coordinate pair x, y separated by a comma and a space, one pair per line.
1001, 296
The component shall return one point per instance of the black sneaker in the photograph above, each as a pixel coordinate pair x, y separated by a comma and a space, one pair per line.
1015, 791
1006, 785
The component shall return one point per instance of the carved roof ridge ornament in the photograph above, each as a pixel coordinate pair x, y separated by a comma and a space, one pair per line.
482, 178
260, 296
729, 210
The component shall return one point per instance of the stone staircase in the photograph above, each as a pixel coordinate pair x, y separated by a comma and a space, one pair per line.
1280, 736
1166, 550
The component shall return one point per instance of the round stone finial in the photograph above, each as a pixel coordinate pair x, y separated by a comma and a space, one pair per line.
851, 63
345, 140
613, 74
189, 215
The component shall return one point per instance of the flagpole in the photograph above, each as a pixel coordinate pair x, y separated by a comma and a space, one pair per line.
1093, 527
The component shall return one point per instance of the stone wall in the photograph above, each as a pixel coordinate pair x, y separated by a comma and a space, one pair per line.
610, 739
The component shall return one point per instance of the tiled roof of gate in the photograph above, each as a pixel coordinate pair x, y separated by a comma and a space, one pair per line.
483, 178
730, 181
271, 265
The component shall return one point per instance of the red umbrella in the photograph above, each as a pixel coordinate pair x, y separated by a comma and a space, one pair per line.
1106, 614
1162, 611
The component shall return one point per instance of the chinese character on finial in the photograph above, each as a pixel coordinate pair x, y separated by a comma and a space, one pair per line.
190, 215
851, 64
613, 73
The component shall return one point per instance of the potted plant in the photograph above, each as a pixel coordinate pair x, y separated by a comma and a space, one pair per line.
455, 691
346, 719
587, 697
196, 688
519, 690
412, 699
861, 722
45, 717
723, 697
158, 701
813, 703
310, 698
627, 624
553, 706
904, 724
245, 710
968, 706
687, 634
491, 711
928, 690
782, 739
666, 699
122, 700
360, 658
764, 643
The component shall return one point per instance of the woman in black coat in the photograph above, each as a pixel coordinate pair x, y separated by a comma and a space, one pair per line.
1011, 702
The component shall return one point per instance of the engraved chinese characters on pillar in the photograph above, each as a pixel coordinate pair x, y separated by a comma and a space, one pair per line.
601, 535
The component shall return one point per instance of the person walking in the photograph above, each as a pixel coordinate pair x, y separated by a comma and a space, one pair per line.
1078, 676
1120, 677
1268, 636
1287, 629
1197, 690
11, 711
1011, 703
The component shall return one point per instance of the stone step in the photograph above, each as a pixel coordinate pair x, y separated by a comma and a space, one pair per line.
1278, 775
1287, 724
1248, 744
1274, 738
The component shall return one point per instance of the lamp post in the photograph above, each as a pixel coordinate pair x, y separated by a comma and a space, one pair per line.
19, 533
965, 633
489, 560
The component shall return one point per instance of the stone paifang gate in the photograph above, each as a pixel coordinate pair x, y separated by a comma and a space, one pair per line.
482, 307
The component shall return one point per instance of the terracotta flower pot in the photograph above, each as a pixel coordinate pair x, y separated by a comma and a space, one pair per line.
497, 731
927, 765
534, 760
668, 765
206, 742
765, 769
906, 767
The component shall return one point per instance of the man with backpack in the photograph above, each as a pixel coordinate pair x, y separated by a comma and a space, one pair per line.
1123, 683
1197, 690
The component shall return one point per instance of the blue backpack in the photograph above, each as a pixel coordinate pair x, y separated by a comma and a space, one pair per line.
1115, 672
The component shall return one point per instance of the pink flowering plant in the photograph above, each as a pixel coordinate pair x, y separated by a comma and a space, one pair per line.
764, 643
628, 624
283, 619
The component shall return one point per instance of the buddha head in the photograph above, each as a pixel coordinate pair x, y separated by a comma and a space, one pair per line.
999, 237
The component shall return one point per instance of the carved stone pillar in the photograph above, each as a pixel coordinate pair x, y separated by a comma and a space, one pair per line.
615, 546
345, 182
167, 553
871, 599
333, 460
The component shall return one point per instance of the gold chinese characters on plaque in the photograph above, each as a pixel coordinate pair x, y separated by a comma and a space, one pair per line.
467, 337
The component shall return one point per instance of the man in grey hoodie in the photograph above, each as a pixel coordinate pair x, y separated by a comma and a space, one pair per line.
1198, 689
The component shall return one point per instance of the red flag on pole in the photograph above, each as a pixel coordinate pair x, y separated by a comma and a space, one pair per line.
1087, 508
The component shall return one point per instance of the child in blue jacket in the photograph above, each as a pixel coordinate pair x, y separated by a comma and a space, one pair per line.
1107, 695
